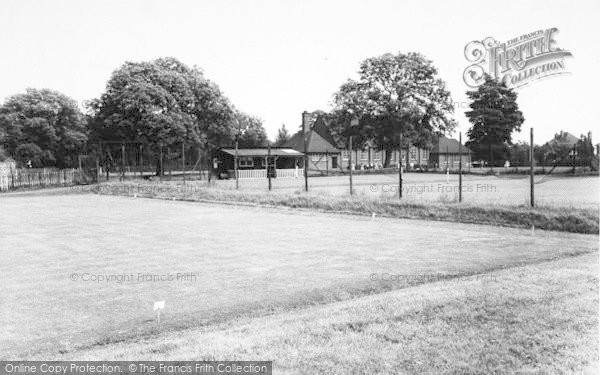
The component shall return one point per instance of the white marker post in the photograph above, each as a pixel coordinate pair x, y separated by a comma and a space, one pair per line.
158, 305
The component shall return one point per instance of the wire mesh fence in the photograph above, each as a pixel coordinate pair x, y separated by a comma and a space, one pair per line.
137, 160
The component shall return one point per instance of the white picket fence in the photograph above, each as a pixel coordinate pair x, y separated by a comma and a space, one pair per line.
290, 173
262, 173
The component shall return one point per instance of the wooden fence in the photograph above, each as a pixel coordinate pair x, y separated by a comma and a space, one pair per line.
38, 178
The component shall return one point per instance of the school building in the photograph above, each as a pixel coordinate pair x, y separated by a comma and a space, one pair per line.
324, 155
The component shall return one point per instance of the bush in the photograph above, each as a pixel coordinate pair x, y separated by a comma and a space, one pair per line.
32, 152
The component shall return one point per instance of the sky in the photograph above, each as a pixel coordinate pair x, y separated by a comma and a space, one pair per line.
275, 59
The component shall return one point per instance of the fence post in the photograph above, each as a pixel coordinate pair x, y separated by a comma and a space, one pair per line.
122, 161
304, 130
400, 169
161, 174
170, 164
350, 161
269, 165
183, 160
531, 162
235, 164
141, 162
460, 167
199, 163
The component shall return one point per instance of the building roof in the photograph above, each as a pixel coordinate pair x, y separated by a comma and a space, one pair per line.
564, 139
263, 151
319, 140
445, 145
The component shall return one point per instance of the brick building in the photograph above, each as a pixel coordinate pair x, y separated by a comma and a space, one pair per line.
446, 153
325, 155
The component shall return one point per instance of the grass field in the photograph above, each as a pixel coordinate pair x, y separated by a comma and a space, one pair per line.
247, 262
552, 190
539, 319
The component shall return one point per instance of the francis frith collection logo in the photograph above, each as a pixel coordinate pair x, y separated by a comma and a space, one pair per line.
517, 62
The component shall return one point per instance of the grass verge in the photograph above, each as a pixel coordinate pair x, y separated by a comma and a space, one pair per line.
533, 319
575, 220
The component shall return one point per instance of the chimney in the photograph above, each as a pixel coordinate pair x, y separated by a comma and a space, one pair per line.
306, 121
590, 136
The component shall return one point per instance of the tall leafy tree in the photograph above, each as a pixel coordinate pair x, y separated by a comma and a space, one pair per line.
250, 131
494, 116
3, 155
584, 151
396, 96
162, 102
519, 154
44, 127
283, 135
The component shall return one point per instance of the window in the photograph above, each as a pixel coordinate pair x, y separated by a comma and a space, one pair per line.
246, 162
334, 163
377, 155
363, 155
413, 153
345, 154
315, 157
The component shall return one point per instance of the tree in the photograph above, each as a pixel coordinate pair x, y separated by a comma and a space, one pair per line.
519, 154
584, 150
162, 102
283, 135
395, 95
3, 154
45, 125
251, 131
30, 152
495, 115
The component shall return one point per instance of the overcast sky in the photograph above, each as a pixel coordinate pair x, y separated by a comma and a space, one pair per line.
274, 59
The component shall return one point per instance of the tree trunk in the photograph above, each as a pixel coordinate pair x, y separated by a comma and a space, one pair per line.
388, 157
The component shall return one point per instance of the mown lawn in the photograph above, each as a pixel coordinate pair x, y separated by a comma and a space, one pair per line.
540, 319
248, 262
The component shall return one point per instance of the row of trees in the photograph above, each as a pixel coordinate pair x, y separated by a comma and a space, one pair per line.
398, 100
553, 153
495, 116
157, 102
